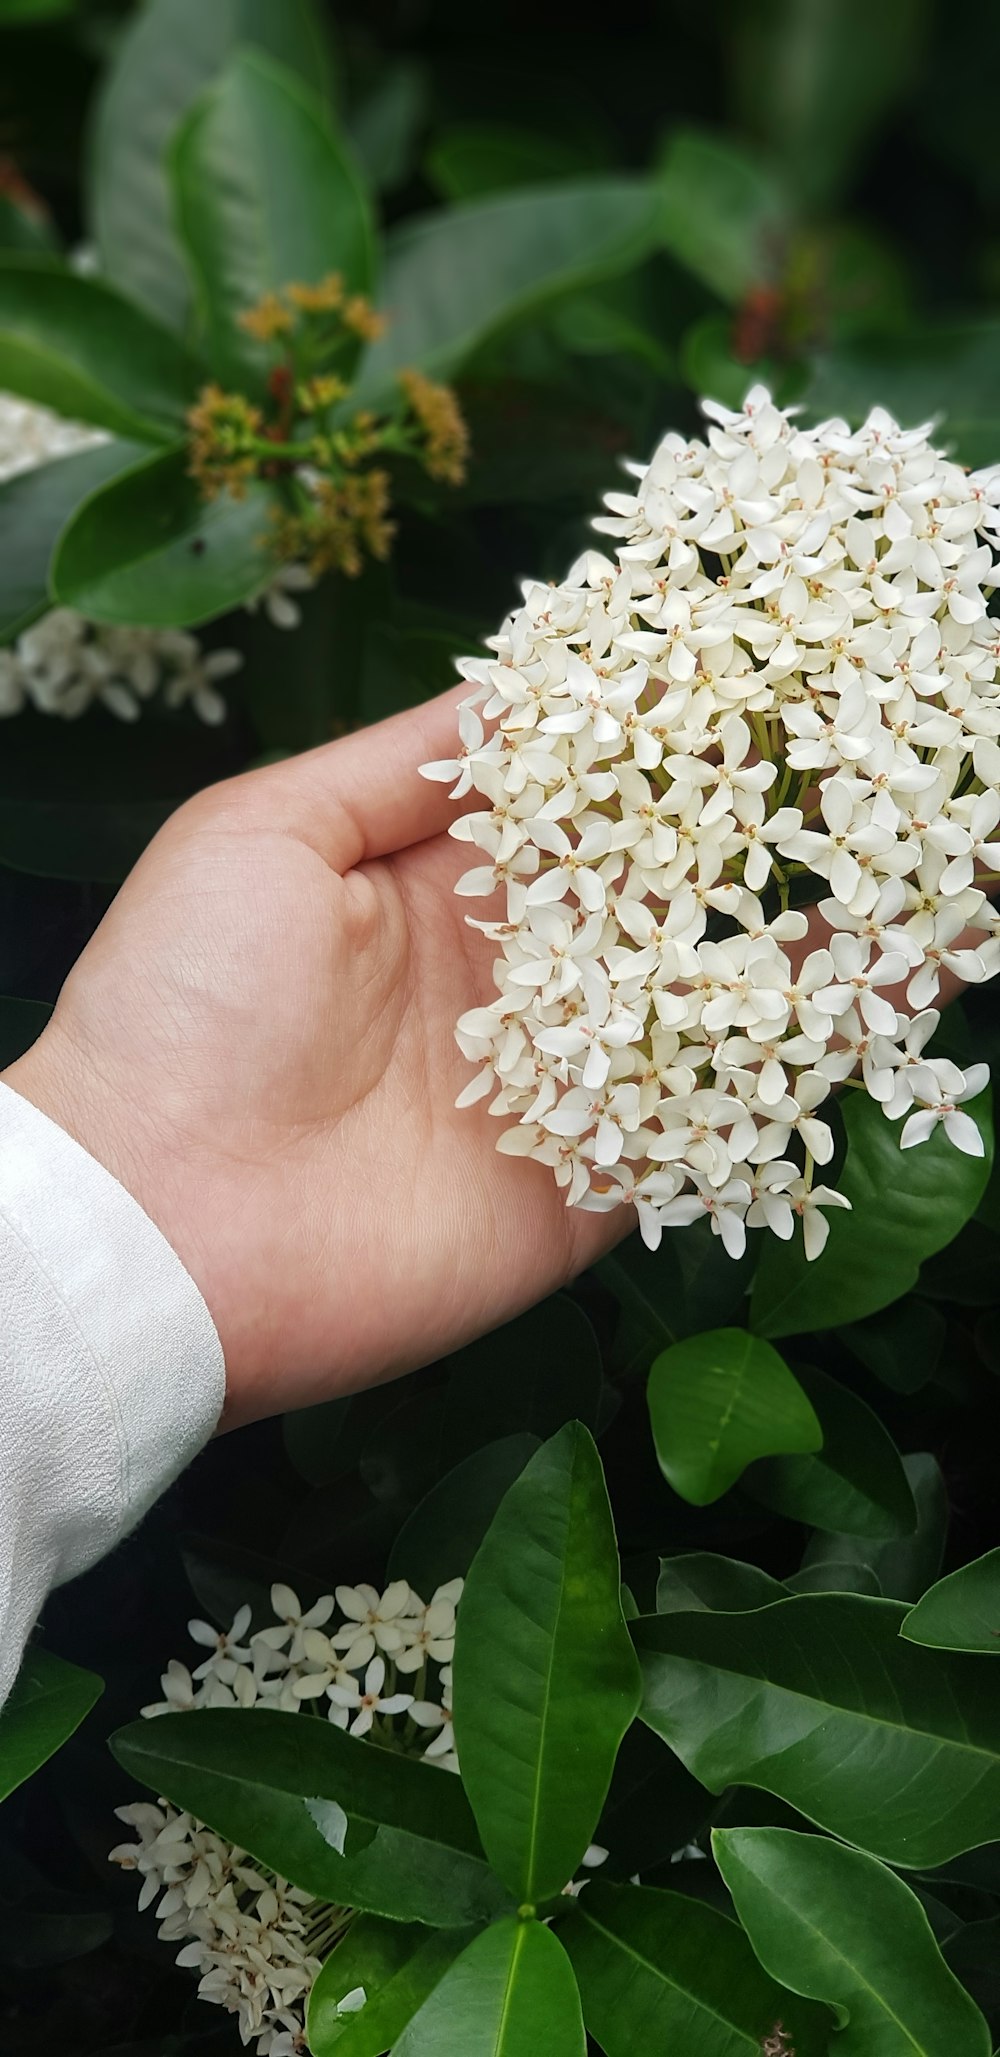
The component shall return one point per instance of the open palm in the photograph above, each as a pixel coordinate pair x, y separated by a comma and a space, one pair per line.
258, 1042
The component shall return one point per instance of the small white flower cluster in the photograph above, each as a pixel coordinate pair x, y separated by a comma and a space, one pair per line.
786, 683
64, 663
257, 1942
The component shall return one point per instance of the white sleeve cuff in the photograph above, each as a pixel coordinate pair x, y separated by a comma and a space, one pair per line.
112, 1371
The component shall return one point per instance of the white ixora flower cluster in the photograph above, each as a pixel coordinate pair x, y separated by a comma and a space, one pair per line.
783, 687
64, 663
369, 1661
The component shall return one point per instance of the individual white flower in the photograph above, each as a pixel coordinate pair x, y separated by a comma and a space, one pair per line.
958, 1127
276, 597
363, 1700
788, 667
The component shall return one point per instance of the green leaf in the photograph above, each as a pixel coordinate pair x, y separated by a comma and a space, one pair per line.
439, 1540
350, 1822
902, 1345
944, 371
962, 1612
720, 1585
147, 549
906, 1204
834, 1575
384, 129
397, 1963
473, 158
819, 1701
723, 214
856, 1483
48, 1701
660, 1971
833, 1924
75, 345
264, 194
79, 839
528, 1377
34, 506
545, 1675
973, 1954
170, 51
455, 278
717, 1402
904, 1568
800, 87
511, 1994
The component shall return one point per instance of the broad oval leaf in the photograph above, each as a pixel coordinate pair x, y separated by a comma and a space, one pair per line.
439, 1540
75, 345
835, 1575
529, 1377
818, 1700
724, 215
905, 1205
903, 1566
546, 1681
169, 52
396, 1964
719, 1401
962, 1612
511, 1994
855, 1485
660, 1971
454, 278
146, 549
835, 1925
701, 1582
264, 194
348, 1821
34, 507
48, 1700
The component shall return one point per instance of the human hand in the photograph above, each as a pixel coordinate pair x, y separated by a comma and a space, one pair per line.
259, 1043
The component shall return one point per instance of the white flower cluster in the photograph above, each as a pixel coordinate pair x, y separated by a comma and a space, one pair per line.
371, 1660
784, 685
64, 663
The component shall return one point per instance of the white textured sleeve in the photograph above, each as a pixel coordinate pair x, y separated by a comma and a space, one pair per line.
111, 1371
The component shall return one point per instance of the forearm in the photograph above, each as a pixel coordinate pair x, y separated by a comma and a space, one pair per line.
112, 1372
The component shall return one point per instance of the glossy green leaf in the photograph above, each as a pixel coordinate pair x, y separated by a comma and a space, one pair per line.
170, 51
902, 1345
34, 506
856, 1483
905, 1566
528, 1377
835, 1925
48, 1701
439, 1540
384, 129
455, 278
397, 1964
722, 1585
962, 1612
473, 158
973, 1954
906, 1204
819, 1701
834, 1575
719, 1401
511, 1994
264, 194
350, 1822
723, 214
545, 1676
75, 345
660, 1971
148, 549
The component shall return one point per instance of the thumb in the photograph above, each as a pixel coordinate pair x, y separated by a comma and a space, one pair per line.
362, 796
